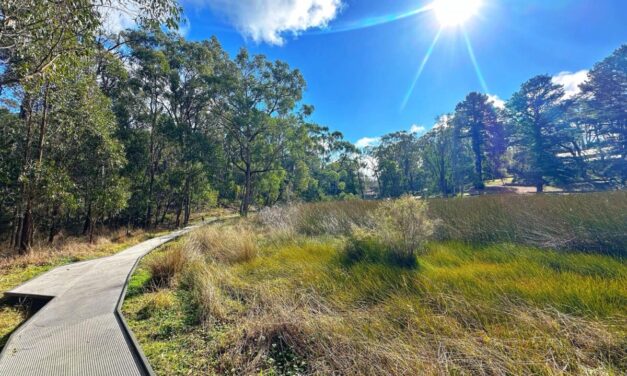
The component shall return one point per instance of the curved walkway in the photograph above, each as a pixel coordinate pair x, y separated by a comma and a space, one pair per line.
80, 331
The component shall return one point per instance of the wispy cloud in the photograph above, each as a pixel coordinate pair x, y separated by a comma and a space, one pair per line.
367, 141
571, 81
269, 20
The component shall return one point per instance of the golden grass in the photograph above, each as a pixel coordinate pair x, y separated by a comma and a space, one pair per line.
586, 221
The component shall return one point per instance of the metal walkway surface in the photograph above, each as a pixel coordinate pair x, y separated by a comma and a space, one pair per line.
80, 331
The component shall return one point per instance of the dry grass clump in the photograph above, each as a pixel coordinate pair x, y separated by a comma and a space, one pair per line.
203, 283
322, 218
71, 248
226, 244
165, 267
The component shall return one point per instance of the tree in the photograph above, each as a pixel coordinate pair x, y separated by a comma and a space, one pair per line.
475, 118
536, 112
254, 111
604, 97
436, 149
36, 34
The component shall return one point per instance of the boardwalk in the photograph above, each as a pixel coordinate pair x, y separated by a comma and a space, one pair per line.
80, 331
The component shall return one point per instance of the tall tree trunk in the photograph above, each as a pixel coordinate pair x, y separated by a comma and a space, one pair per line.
187, 204
27, 228
53, 223
87, 224
151, 171
179, 210
26, 112
476, 149
26, 238
247, 191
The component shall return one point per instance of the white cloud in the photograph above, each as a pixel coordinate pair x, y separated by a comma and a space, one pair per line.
367, 141
370, 165
442, 122
571, 81
496, 101
417, 129
118, 16
268, 20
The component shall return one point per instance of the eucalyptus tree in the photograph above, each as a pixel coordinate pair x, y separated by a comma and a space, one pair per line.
401, 147
436, 155
41, 44
36, 34
255, 108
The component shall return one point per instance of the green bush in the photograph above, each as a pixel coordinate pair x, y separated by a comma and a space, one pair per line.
398, 231
403, 225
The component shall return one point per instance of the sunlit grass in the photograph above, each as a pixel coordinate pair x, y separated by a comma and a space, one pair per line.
297, 305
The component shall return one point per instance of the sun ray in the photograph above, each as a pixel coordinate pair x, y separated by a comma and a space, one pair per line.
471, 52
372, 21
421, 68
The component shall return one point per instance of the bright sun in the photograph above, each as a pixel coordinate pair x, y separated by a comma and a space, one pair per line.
455, 12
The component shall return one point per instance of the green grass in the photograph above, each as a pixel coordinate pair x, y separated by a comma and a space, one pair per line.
165, 323
298, 307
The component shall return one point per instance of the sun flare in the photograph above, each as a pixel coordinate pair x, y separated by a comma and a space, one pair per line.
455, 12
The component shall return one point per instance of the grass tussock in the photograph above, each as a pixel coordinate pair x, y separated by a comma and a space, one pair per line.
226, 244
166, 266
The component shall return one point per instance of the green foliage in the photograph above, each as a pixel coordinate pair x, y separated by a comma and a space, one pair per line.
476, 119
399, 230
403, 225
539, 130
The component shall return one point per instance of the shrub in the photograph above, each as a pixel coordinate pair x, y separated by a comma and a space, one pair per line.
403, 225
165, 267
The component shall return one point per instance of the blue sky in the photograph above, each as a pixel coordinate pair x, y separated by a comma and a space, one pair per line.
358, 77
